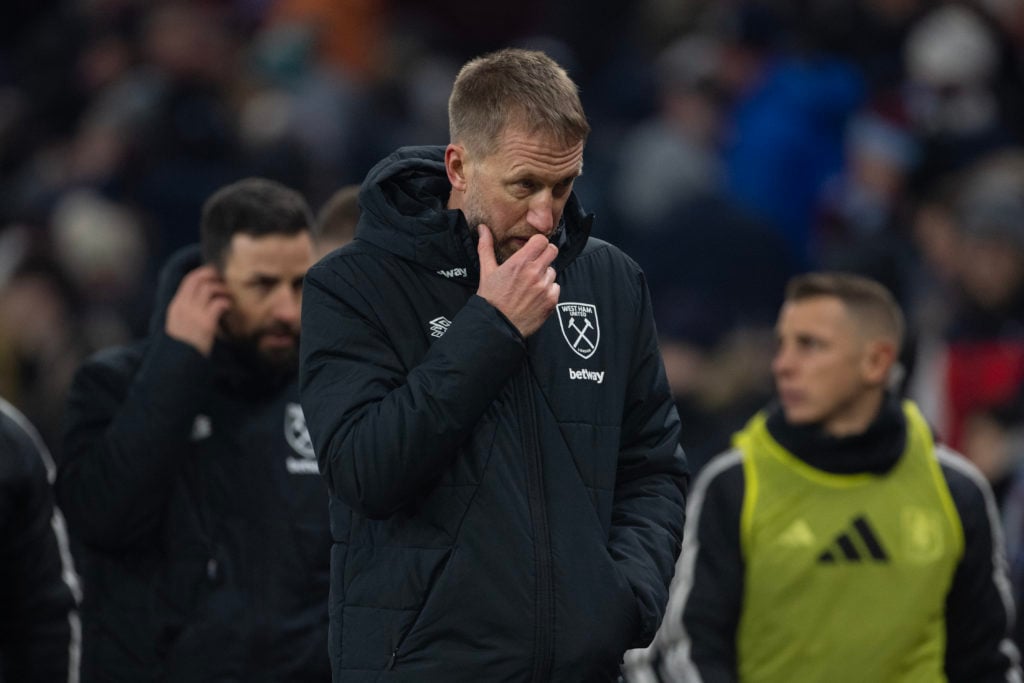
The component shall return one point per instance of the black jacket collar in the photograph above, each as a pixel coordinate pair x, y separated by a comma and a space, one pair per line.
875, 450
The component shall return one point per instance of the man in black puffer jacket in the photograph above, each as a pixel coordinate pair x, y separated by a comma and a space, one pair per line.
188, 477
40, 632
492, 417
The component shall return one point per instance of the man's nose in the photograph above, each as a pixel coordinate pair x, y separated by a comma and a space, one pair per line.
541, 216
287, 306
781, 362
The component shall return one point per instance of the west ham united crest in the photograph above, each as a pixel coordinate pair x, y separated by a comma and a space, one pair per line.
297, 436
580, 327
295, 432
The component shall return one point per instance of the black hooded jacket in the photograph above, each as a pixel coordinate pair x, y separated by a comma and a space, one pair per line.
39, 627
191, 486
502, 508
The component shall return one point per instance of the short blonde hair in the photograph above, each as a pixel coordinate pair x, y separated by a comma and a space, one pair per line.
514, 87
867, 299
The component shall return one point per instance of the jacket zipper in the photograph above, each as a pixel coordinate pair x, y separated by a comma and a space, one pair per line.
544, 596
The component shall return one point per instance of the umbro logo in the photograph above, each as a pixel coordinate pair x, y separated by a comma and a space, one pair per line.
202, 428
439, 325
858, 543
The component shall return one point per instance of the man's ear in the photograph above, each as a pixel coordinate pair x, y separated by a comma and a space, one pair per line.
455, 162
879, 357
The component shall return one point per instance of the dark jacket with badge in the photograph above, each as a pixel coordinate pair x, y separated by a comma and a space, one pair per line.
502, 508
191, 487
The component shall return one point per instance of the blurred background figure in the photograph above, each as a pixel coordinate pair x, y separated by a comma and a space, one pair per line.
956, 88
715, 273
787, 130
40, 633
862, 217
40, 341
187, 474
976, 361
335, 224
673, 156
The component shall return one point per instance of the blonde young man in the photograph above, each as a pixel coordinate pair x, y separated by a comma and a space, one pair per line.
838, 541
489, 407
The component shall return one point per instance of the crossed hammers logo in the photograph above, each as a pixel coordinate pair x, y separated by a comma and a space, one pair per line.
581, 331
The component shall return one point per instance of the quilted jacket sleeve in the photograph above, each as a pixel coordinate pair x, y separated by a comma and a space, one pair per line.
382, 432
652, 480
125, 428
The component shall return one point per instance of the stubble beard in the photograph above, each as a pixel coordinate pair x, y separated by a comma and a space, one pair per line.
477, 215
499, 254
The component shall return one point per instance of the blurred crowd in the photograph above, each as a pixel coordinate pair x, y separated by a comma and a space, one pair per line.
735, 143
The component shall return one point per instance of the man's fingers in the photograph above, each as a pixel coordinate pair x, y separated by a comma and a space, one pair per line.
219, 305
549, 254
207, 290
200, 275
485, 250
201, 284
535, 247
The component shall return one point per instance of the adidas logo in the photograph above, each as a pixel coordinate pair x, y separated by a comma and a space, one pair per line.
854, 545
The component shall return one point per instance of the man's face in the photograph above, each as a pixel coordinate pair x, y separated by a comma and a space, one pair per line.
264, 276
822, 368
519, 190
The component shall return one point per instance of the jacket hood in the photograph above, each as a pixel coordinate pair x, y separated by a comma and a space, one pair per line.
403, 204
177, 267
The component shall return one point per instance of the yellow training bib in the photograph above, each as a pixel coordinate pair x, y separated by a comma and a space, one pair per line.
846, 575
